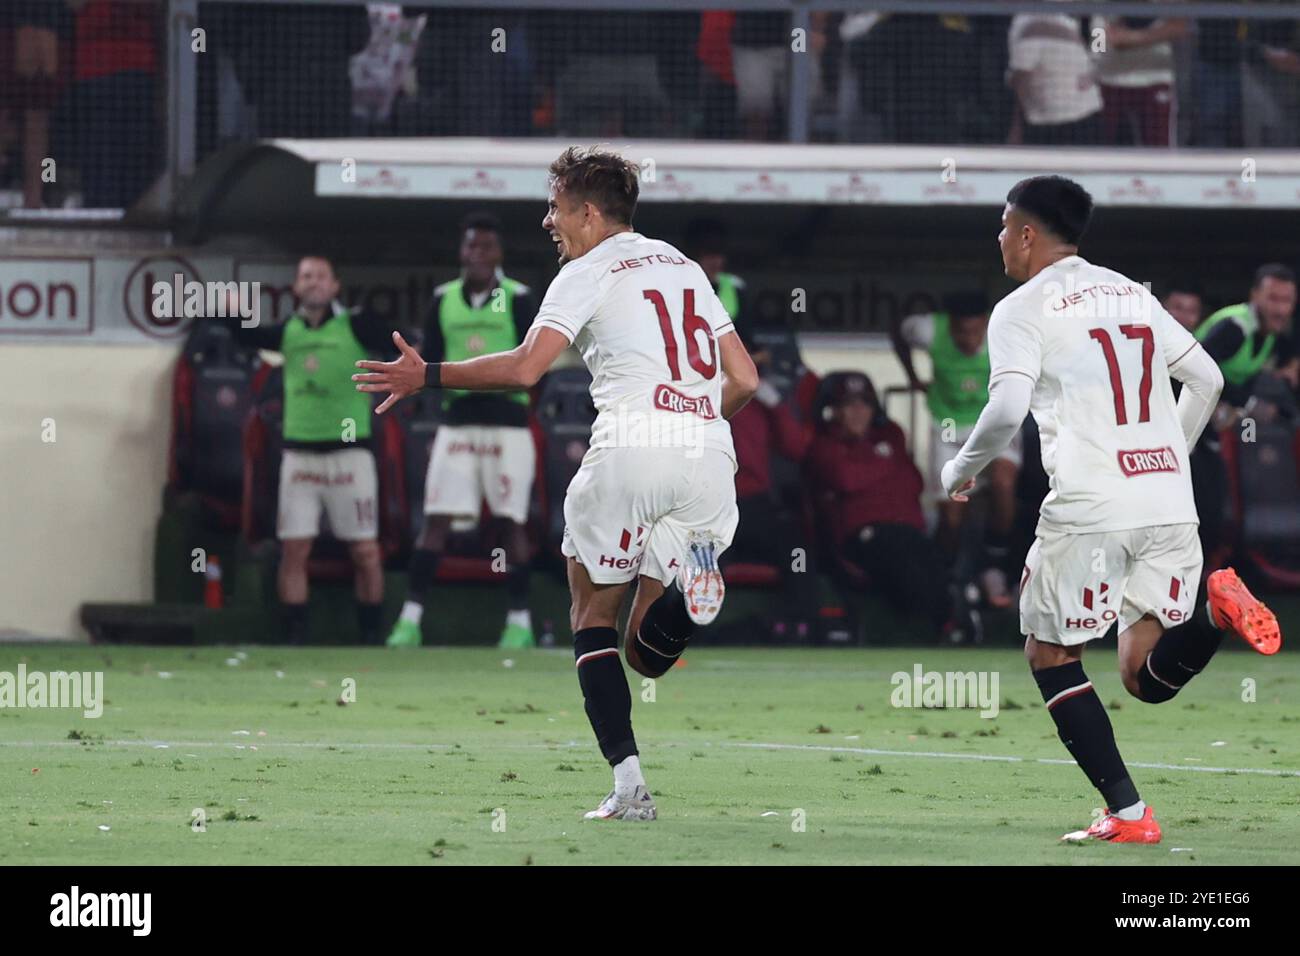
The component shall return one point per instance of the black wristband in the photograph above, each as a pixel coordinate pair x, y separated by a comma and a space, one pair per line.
433, 375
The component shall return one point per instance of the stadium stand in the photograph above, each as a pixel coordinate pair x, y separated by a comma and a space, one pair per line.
785, 123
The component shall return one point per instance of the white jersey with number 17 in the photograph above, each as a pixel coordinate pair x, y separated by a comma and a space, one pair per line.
647, 323
1099, 348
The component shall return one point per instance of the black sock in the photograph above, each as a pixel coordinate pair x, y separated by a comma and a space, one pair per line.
665, 631
1084, 728
604, 687
997, 550
1181, 653
424, 565
517, 587
294, 620
368, 617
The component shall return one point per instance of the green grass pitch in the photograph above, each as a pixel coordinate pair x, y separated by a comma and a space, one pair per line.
449, 756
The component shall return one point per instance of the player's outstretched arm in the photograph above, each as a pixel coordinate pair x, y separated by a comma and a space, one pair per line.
1009, 397
739, 376
1202, 384
520, 367
1196, 367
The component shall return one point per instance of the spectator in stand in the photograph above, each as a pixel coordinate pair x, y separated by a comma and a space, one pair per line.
1260, 374
1136, 73
293, 61
762, 44
717, 91
1250, 339
926, 108
760, 58
769, 533
1271, 84
706, 242
115, 69
1051, 73
611, 83
868, 494
1218, 102
956, 340
1183, 300
30, 82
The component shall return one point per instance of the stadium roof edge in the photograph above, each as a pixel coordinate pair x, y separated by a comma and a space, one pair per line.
538, 153
274, 182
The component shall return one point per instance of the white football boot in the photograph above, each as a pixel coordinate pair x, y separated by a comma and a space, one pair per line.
699, 579
640, 806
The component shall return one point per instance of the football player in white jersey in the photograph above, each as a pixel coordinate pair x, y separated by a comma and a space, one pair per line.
1090, 352
655, 498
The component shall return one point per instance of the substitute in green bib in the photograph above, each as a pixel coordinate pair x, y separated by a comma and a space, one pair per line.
1251, 337
484, 449
328, 464
956, 340
706, 242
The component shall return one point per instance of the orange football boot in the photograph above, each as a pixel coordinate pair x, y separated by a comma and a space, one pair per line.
1234, 608
1114, 830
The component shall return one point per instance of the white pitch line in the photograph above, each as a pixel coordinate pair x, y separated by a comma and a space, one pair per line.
813, 748
994, 758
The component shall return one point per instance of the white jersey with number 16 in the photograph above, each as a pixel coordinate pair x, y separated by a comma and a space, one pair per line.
1099, 348
647, 322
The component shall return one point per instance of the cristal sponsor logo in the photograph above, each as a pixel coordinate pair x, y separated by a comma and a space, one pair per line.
481, 182
671, 400
384, 179
1230, 190
133, 910
946, 689
668, 184
949, 191
316, 478
482, 449
629, 426
763, 184
1146, 461
1137, 189
854, 188
56, 689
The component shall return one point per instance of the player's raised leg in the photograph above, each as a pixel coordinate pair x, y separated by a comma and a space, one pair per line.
608, 700
1156, 663
664, 616
1233, 608
1180, 627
